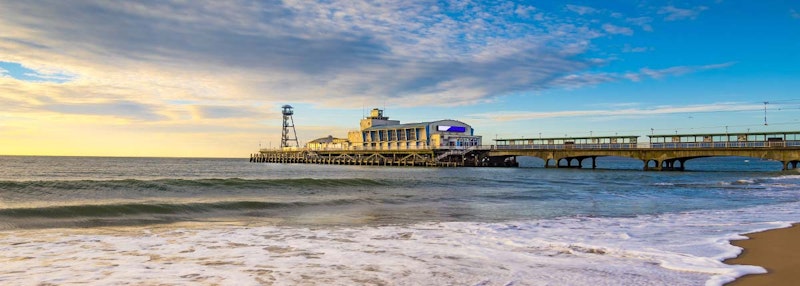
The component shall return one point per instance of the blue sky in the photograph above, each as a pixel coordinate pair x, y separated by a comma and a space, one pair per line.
207, 78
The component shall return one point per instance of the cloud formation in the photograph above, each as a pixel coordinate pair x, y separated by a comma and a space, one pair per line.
672, 13
333, 53
613, 29
657, 110
593, 78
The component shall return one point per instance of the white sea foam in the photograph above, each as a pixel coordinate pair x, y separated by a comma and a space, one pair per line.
671, 249
786, 177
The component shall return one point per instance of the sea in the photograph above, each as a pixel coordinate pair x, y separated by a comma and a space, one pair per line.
178, 221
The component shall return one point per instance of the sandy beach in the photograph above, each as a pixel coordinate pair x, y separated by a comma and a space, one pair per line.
776, 250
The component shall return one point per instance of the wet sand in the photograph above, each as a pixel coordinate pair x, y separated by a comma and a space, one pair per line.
776, 250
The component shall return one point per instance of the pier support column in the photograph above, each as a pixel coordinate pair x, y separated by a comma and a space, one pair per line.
594, 162
647, 165
785, 165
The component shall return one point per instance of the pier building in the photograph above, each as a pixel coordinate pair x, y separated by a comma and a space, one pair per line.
379, 133
328, 143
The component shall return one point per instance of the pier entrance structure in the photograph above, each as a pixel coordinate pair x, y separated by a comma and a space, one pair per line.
662, 152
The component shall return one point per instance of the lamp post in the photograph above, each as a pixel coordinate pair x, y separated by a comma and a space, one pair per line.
727, 137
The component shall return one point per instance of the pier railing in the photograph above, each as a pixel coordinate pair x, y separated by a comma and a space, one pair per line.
670, 145
592, 146
568, 146
360, 148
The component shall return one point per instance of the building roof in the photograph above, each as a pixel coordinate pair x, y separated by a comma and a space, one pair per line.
398, 126
410, 125
329, 139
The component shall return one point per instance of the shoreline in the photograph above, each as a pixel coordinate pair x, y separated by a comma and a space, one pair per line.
776, 250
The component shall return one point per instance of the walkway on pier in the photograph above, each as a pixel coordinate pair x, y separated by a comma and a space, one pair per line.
662, 152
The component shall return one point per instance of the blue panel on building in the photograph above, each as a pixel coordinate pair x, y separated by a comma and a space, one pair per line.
452, 128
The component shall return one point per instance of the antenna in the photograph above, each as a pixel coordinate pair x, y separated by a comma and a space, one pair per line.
765, 112
288, 122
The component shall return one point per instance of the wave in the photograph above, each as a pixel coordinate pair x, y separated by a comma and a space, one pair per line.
115, 210
139, 213
179, 184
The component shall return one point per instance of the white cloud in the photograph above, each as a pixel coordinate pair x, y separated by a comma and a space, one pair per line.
629, 49
613, 29
673, 13
524, 11
794, 14
642, 22
680, 70
578, 80
652, 111
581, 10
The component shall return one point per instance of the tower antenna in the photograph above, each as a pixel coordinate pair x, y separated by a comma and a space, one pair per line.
288, 122
765, 112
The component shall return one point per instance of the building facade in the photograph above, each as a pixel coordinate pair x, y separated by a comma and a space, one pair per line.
379, 133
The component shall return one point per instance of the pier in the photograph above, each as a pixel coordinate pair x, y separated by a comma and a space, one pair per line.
451, 143
661, 153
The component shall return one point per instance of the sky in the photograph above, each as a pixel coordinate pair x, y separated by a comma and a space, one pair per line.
208, 78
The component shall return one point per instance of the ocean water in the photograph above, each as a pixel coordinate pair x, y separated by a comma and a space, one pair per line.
145, 221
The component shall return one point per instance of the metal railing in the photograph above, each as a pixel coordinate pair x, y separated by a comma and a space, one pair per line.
379, 148
601, 146
737, 144
595, 146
